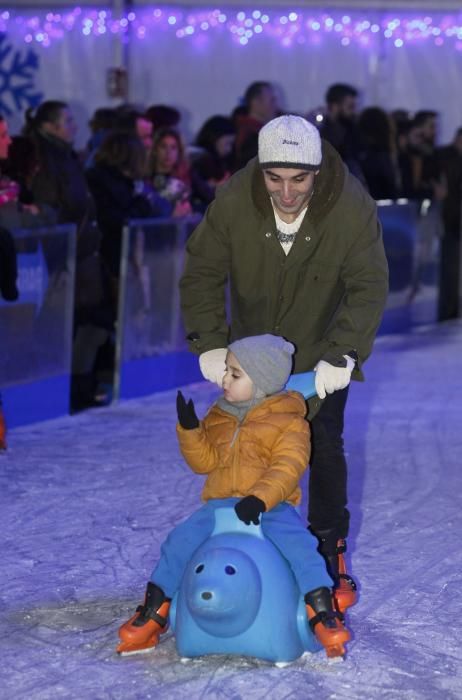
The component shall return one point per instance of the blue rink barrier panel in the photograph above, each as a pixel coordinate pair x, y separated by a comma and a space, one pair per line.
35, 401
36, 330
152, 353
411, 241
151, 350
148, 375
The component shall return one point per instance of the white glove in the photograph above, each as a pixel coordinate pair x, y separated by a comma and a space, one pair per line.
330, 378
213, 365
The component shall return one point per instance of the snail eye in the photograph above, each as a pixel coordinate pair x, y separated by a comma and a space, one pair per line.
199, 568
230, 570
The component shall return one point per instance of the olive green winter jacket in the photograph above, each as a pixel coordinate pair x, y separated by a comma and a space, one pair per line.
326, 296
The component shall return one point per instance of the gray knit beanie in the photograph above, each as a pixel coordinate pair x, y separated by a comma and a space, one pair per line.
267, 359
289, 142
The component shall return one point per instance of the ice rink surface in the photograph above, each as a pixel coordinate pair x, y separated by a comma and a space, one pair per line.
87, 500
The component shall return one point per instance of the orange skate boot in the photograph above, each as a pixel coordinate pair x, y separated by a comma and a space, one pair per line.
141, 632
325, 622
345, 590
332, 549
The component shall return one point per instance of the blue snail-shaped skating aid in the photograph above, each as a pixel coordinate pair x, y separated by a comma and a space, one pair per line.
238, 596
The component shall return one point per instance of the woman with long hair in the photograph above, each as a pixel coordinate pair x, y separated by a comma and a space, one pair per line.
169, 170
378, 156
214, 162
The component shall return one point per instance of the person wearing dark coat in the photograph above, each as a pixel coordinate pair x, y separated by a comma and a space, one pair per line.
261, 105
18, 208
212, 165
339, 126
449, 293
60, 182
377, 156
60, 179
298, 240
120, 193
14, 213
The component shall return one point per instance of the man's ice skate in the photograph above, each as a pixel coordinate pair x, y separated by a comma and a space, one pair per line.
325, 622
141, 632
345, 589
332, 549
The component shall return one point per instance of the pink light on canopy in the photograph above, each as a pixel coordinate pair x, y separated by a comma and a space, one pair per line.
298, 25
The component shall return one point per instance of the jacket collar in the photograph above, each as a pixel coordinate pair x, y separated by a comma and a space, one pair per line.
285, 401
55, 141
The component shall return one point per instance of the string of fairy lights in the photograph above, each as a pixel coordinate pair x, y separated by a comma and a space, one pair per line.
289, 28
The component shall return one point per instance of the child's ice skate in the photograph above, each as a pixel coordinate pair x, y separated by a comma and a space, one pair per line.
325, 622
141, 632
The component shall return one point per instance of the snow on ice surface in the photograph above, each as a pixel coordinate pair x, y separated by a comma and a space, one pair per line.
87, 500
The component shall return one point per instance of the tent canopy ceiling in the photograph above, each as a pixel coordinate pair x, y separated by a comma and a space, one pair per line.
75, 60
384, 5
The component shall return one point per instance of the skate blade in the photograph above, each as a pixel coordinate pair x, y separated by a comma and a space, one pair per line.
335, 651
130, 650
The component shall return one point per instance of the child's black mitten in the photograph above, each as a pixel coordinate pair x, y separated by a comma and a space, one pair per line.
249, 510
186, 413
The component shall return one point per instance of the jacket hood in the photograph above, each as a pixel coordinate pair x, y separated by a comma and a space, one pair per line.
328, 185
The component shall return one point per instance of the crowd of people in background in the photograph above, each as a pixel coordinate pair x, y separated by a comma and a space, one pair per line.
394, 154
137, 165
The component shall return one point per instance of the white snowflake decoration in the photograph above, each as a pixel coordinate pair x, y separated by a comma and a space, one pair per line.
18, 70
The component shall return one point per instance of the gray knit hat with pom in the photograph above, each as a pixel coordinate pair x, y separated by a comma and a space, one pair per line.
289, 142
267, 359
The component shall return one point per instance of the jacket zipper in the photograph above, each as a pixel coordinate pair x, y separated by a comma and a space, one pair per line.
236, 452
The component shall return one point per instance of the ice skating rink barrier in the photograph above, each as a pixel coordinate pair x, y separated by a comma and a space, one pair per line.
411, 235
36, 330
151, 350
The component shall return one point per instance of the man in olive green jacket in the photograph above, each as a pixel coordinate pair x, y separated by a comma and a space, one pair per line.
297, 239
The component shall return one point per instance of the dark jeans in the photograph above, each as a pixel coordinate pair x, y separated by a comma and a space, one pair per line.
328, 468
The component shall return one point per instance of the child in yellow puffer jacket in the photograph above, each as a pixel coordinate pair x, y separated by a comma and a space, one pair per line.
253, 445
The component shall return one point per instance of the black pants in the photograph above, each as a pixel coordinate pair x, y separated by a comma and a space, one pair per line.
328, 468
449, 277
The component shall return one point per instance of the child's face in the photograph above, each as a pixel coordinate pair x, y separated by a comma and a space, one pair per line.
237, 385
